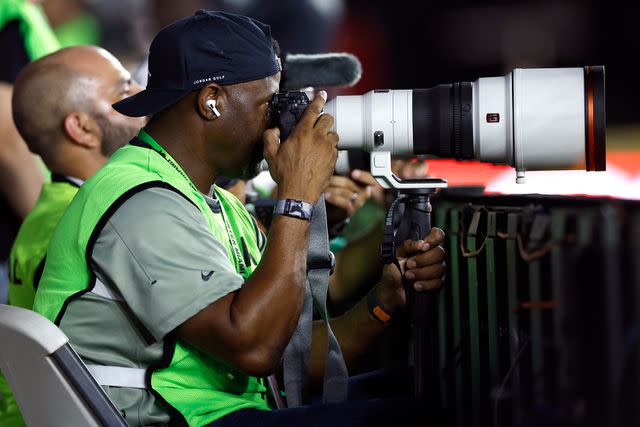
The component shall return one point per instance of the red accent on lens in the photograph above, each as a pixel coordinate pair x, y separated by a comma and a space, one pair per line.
591, 139
493, 117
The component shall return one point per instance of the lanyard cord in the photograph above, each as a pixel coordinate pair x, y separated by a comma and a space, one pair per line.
145, 140
234, 243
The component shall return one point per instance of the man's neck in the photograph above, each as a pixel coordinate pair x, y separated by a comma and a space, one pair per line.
179, 143
77, 167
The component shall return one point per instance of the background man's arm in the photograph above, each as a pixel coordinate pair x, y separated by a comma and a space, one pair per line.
22, 173
357, 328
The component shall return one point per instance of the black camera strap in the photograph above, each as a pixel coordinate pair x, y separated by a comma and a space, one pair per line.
388, 245
320, 262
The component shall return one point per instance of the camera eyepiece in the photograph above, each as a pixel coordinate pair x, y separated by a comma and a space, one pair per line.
286, 109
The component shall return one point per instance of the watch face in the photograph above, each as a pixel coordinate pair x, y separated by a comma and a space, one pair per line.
296, 208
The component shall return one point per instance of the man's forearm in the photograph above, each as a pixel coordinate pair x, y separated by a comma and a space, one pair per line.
22, 173
22, 182
269, 304
352, 276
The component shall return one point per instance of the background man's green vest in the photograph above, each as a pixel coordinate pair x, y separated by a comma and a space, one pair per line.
200, 387
39, 39
30, 247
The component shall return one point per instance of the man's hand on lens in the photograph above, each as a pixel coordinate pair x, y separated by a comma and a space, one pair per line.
422, 264
409, 168
303, 164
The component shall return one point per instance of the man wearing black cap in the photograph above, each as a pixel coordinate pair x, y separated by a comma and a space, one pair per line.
164, 284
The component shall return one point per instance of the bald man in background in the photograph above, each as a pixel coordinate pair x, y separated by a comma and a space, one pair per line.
62, 108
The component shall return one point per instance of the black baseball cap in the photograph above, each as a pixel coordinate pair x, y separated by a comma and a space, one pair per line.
208, 47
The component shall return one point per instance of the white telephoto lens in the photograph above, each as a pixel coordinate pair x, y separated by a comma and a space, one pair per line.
379, 120
531, 119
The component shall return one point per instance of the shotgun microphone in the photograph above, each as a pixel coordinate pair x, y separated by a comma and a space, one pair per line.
319, 70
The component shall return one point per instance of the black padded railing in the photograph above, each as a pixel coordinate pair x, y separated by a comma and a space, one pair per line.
539, 320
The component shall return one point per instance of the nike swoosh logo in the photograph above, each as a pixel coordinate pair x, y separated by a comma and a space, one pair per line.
207, 276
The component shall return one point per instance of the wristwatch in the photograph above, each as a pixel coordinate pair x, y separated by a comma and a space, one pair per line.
294, 208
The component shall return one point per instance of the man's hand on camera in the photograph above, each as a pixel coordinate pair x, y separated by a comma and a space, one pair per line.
422, 264
303, 164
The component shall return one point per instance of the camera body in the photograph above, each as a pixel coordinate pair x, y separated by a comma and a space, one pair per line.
286, 109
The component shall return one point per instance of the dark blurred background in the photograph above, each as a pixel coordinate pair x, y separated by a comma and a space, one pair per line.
427, 43
407, 44
412, 44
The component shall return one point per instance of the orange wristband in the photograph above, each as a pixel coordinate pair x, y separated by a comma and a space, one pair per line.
377, 309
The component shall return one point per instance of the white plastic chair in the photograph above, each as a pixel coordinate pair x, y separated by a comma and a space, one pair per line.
51, 384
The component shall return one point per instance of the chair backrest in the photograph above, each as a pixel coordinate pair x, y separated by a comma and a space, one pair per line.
51, 384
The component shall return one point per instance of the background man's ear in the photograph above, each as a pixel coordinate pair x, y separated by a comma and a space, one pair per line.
211, 92
82, 129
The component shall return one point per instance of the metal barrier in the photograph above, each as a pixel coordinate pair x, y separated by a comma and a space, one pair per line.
539, 321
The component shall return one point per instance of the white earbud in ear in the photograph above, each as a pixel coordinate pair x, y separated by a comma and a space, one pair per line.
212, 106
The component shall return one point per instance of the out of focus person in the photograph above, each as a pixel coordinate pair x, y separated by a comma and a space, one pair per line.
291, 18
356, 207
75, 133
25, 36
72, 22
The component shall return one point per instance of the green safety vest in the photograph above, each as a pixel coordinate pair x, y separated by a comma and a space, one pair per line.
9, 412
30, 247
80, 30
198, 386
26, 260
39, 39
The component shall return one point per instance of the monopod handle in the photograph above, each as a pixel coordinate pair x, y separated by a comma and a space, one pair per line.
416, 225
417, 219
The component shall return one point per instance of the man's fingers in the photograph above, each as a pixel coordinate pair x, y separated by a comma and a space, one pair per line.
342, 182
433, 240
433, 256
428, 285
409, 247
435, 237
430, 272
342, 193
324, 123
271, 138
339, 202
314, 110
363, 177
